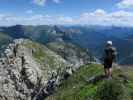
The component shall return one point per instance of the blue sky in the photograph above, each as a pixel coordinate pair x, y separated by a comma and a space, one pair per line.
84, 12
66, 7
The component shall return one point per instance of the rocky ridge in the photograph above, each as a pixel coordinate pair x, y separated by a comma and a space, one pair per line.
23, 77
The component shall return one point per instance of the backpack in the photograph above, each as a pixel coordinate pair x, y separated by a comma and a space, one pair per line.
110, 53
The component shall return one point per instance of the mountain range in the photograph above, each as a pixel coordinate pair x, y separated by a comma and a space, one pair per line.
92, 38
55, 62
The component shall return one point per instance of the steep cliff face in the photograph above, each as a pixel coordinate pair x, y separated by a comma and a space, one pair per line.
30, 71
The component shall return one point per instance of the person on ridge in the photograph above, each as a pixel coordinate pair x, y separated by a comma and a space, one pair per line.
110, 54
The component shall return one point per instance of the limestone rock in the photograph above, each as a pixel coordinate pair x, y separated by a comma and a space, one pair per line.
23, 77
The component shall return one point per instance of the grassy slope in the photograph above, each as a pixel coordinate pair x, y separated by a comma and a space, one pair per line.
76, 88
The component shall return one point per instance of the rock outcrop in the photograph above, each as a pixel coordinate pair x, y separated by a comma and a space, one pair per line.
25, 74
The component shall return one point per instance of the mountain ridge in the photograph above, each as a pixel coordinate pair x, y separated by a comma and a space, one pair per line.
31, 71
90, 37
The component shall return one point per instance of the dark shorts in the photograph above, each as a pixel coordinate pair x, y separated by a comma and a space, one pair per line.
108, 63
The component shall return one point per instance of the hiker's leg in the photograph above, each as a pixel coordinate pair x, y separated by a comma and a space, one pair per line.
110, 69
110, 72
107, 72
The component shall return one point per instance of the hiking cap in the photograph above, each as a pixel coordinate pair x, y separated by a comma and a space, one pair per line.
109, 42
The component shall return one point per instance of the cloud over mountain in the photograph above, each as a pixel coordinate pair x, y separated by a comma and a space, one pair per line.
97, 17
101, 17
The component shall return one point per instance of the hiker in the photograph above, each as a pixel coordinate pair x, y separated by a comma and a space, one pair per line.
109, 57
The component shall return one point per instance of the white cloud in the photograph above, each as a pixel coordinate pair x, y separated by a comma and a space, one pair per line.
7, 20
97, 17
125, 4
65, 20
99, 12
39, 2
43, 2
101, 17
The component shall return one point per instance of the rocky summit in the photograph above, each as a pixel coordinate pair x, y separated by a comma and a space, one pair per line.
28, 73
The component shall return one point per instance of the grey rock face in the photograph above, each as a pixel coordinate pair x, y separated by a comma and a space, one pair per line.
22, 77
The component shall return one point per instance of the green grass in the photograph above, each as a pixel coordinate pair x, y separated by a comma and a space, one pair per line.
76, 88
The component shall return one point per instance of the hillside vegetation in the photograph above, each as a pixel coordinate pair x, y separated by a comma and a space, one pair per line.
83, 86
